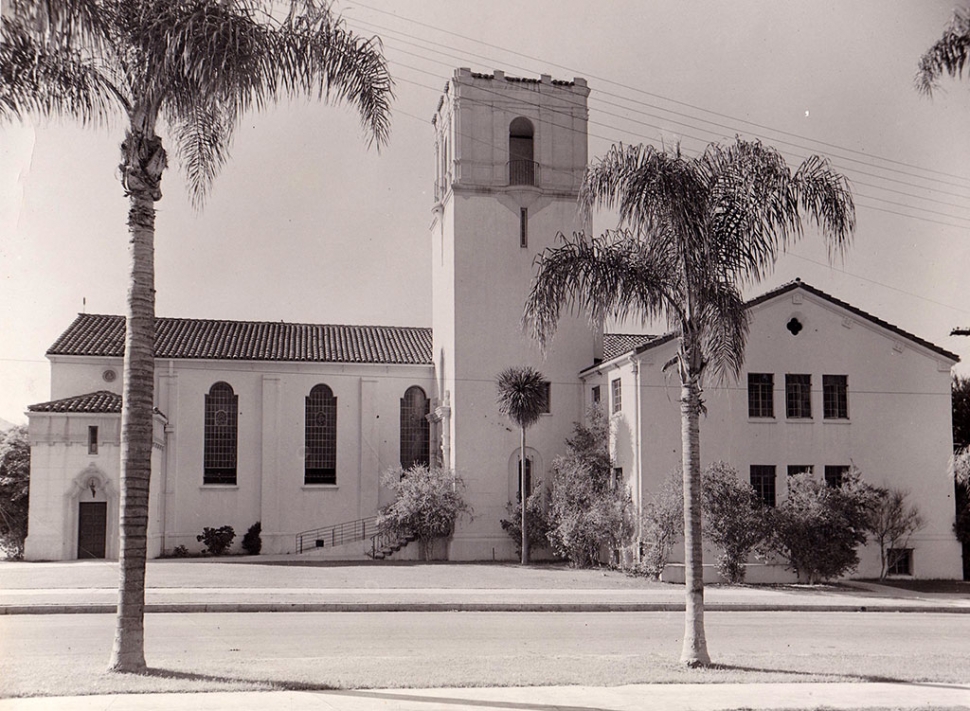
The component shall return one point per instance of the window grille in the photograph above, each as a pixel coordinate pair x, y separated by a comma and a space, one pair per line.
524, 227
320, 438
92, 439
522, 167
415, 428
221, 426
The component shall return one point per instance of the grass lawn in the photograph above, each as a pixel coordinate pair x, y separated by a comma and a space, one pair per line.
197, 658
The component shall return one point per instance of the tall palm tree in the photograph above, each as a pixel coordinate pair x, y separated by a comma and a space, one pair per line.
196, 66
522, 397
692, 232
950, 54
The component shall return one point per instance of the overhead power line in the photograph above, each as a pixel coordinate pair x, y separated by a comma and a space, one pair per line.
638, 90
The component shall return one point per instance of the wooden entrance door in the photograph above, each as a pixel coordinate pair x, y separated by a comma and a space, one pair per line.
92, 522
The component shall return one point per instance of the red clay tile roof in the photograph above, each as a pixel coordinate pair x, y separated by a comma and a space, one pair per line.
100, 335
102, 401
615, 344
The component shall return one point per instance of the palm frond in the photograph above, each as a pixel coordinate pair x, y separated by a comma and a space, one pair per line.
616, 275
245, 61
203, 135
724, 328
949, 54
826, 198
50, 80
521, 395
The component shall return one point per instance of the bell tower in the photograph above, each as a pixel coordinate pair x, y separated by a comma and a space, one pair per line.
510, 154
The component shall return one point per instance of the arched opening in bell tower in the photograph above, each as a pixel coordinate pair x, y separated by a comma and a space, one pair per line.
522, 165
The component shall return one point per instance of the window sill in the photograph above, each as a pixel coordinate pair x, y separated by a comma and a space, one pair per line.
837, 421
318, 487
800, 420
219, 487
762, 420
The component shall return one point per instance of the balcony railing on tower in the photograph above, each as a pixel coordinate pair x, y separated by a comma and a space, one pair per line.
523, 172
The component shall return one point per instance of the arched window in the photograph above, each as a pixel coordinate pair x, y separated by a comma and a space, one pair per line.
415, 428
221, 424
320, 463
528, 478
522, 167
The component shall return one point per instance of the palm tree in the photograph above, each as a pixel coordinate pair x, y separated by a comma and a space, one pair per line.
692, 232
197, 66
522, 397
950, 53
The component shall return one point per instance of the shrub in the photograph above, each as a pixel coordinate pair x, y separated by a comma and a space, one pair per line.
536, 520
252, 542
661, 522
217, 540
735, 519
428, 504
180, 552
588, 510
817, 528
14, 490
893, 522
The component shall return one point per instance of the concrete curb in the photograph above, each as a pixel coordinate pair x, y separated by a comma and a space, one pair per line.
152, 608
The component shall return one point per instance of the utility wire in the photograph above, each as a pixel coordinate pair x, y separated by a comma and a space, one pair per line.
662, 97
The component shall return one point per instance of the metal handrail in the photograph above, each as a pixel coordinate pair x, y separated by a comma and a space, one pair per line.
336, 535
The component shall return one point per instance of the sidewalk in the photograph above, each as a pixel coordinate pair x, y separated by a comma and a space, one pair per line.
646, 697
288, 584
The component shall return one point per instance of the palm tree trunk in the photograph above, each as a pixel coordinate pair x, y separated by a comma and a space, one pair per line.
524, 495
694, 653
143, 163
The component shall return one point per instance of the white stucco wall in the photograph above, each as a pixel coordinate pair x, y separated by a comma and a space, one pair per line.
62, 474
482, 276
898, 432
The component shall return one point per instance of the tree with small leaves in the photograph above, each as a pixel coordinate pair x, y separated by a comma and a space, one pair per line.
14, 489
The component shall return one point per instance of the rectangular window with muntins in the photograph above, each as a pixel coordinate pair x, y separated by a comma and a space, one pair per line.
835, 397
546, 397
616, 390
524, 227
761, 402
900, 561
834, 474
595, 394
763, 481
798, 395
92, 439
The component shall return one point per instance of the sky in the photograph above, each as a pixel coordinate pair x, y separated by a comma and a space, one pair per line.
308, 224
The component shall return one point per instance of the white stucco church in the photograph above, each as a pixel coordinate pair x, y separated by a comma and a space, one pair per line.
292, 424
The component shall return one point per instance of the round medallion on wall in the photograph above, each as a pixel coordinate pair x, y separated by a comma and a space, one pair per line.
109, 375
